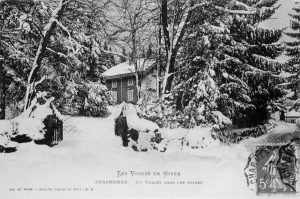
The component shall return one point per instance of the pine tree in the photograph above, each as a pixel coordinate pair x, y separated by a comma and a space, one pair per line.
246, 74
293, 50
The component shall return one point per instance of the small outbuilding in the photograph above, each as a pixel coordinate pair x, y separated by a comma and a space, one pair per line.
293, 117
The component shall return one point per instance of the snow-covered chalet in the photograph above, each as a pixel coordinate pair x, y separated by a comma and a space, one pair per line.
121, 81
293, 117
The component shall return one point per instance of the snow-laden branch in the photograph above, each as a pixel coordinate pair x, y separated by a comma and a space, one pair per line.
40, 81
254, 70
72, 41
215, 29
268, 60
285, 75
196, 6
261, 2
58, 53
241, 4
240, 12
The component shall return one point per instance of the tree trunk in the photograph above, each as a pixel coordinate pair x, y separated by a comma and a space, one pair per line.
48, 31
164, 24
298, 85
158, 74
164, 20
170, 70
173, 42
2, 92
137, 79
134, 61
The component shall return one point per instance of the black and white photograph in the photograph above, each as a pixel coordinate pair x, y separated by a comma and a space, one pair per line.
149, 99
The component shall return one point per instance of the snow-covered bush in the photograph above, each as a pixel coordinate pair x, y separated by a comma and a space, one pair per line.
191, 103
137, 123
221, 121
6, 145
96, 100
86, 99
184, 139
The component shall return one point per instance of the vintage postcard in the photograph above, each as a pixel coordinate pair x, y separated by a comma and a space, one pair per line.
149, 99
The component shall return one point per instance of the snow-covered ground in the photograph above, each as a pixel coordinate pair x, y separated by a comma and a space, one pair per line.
90, 152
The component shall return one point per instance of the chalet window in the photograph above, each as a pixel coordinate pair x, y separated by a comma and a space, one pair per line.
130, 82
114, 96
292, 121
130, 95
114, 84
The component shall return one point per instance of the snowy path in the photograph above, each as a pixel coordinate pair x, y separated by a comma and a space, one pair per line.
91, 152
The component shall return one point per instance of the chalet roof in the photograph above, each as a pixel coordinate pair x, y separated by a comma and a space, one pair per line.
293, 113
125, 69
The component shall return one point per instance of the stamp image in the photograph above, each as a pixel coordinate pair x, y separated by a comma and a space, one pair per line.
273, 168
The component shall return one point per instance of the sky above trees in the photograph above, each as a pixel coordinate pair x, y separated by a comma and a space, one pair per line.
281, 18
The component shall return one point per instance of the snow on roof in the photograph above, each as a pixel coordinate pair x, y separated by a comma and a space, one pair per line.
124, 68
293, 113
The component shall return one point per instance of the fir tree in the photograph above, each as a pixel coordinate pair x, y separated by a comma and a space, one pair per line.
293, 67
246, 72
